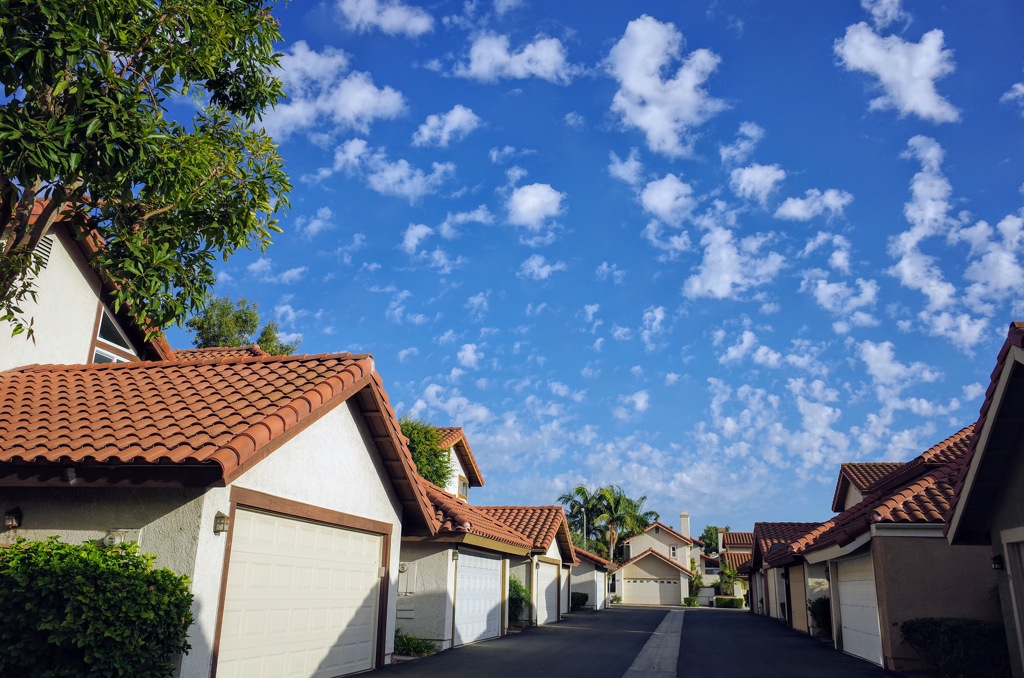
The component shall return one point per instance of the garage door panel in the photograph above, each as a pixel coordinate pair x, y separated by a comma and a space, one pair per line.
858, 609
478, 595
547, 595
652, 591
301, 599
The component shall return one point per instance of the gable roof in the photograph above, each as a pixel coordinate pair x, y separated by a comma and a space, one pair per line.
919, 492
541, 524
737, 540
218, 353
457, 517
593, 558
770, 538
651, 553
992, 448
663, 526
197, 423
455, 437
862, 475
734, 559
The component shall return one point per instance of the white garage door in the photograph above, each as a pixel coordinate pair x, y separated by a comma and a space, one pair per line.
858, 608
478, 588
301, 599
547, 595
652, 592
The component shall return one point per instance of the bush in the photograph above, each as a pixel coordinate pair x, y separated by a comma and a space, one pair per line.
616, 600
959, 648
728, 601
68, 610
432, 462
518, 599
411, 646
690, 601
578, 600
821, 613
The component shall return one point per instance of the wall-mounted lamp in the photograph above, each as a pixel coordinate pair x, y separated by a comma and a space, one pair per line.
997, 562
455, 554
536, 566
220, 523
12, 519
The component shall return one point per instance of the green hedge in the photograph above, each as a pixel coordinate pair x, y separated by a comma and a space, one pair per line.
518, 599
959, 648
728, 601
68, 610
690, 601
578, 600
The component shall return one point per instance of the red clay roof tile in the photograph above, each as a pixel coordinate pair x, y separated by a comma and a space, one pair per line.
738, 540
594, 558
455, 437
218, 353
542, 524
454, 516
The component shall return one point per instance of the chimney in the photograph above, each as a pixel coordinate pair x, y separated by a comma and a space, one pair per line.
684, 524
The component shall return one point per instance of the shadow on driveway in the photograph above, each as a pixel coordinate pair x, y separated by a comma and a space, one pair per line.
592, 644
727, 643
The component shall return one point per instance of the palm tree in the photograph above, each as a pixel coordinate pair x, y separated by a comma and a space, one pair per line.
582, 508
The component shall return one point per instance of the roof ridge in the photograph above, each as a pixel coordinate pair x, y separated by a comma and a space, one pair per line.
146, 364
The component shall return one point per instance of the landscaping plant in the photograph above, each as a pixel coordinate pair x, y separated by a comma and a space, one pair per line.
821, 613
518, 599
83, 611
959, 648
578, 600
411, 646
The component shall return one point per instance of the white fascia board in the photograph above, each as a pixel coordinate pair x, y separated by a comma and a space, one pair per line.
931, 530
834, 551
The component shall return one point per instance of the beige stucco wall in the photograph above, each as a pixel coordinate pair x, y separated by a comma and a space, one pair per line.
586, 578
651, 567
425, 604
660, 542
457, 470
798, 598
816, 585
926, 577
522, 568
64, 312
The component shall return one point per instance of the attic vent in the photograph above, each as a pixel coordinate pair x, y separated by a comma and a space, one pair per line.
657, 530
44, 247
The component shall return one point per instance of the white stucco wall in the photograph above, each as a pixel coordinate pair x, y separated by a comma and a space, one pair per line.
457, 470
64, 312
586, 578
425, 603
853, 497
661, 542
522, 567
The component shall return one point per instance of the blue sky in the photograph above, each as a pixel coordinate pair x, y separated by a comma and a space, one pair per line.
704, 250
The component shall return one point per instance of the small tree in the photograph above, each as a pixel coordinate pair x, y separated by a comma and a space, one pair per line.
223, 323
710, 538
432, 462
697, 582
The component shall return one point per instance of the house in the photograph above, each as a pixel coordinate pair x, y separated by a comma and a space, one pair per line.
453, 575
735, 549
590, 576
658, 569
768, 590
885, 560
73, 317
465, 472
988, 508
546, 570
266, 480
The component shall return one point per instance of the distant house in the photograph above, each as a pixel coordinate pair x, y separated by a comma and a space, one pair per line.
657, 569
735, 549
590, 576
769, 593
988, 507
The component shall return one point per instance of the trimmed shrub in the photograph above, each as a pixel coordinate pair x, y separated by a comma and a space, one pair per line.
821, 613
411, 646
959, 648
68, 610
518, 599
432, 462
578, 600
728, 601
690, 601
616, 600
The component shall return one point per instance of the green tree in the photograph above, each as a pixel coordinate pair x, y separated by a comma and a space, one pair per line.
84, 125
432, 462
621, 516
582, 508
223, 323
710, 538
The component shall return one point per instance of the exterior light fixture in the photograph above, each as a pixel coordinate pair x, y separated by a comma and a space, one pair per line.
220, 523
997, 562
455, 554
12, 519
536, 565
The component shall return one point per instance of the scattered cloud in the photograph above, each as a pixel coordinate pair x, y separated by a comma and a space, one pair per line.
441, 129
491, 59
629, 170
814, 204
533, 205
669, 198
263, 270
739, 151
756, 182
884, 13
390, 17
1014, 95
398, 178
536, 267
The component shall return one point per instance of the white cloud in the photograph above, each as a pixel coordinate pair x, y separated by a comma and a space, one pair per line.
756, 182
490, 60
815, 203
407, 353
448, 228
440, 130
536, 267
666, 111
906, 71
653, 327
739, 151
470, 356
632, 405
1014, 95
739, 350
318, 91
840, 257
477, 305
263, 269
398, 178
590, 312
531, 206
620, 333
392, 18
502, 7
575, 120
629, 170
884, 13
841, 299
731, 266
669, 198
995, 270
318, 223
606, 270
671, 245
414, 235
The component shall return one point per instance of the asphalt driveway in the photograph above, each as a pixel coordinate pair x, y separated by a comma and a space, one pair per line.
722, 643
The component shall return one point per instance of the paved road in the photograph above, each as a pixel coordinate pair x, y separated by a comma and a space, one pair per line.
759, 646
596, 645
622, 642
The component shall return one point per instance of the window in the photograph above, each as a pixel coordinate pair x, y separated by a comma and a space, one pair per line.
463, 487
672, 552
111, 344
101, 356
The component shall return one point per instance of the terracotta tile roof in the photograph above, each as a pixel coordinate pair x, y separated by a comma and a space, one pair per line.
918, 492
212, 418
663, 526
771, 539
865, 474
455, 437
734, 558
967, 520
651, 552
737, 540
593, 557
541, 524
452, 515
218, 352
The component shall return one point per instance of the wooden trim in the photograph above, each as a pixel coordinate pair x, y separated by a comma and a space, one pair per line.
459, 492
455, 592
552, 561
95, 331
112, 349
260, 501
504, 597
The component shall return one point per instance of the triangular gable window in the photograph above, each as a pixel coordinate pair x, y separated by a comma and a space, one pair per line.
111, 344
111, 333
